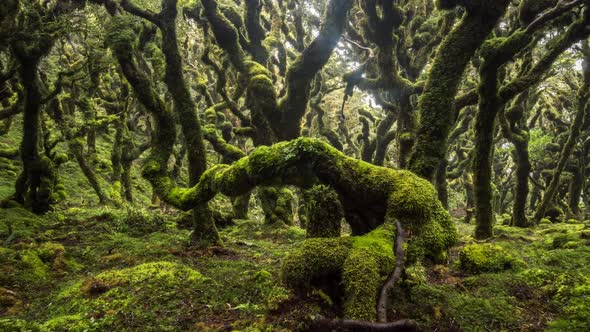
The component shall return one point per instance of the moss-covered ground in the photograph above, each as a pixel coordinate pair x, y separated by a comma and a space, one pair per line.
102, 269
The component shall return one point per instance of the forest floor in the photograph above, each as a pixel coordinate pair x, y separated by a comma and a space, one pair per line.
110, 269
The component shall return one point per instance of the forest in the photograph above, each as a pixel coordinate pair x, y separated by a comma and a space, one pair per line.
294, 165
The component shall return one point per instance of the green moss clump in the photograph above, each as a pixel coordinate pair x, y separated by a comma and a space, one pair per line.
49, 251
514, 233
277, 204
434, 239
139, 222
570, 240
105, 301
361, 281
324, 212
18, 223
71, 322
22, 268
368, 264
315, 261
361, 262
480, 258
545, 221
33, 266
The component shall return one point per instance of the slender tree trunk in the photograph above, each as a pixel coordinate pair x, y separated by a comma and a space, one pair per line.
77, 150
485, 121
521, 191
470, 197
575, 189
441, 183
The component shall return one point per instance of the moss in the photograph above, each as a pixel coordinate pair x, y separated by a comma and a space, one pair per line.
324, 212
105, 301
18, 325
18, 223
314, 261
479, 258
138, 222
446, 308
33, 266
361, 262
571, 240
435, 105
277, 204
361, 281
545, 221
514, 233
366, 267
575, 312
68, 323
48, 251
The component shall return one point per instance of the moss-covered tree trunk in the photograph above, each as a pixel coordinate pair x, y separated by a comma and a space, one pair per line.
521, 190
204, 231
76, 147
576, 187
34, 186
324, 212
274, 119
470, 198
436, 105
496, 53
441, 183
485, 120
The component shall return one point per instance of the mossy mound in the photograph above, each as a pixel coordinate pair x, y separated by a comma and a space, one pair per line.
361, 263
480, 258
513, 233
315, 260
137, 222
17, 224
147, 295
571, 240
444, 308
555, 214
370, 261
32, 266
19, 325
433, 240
